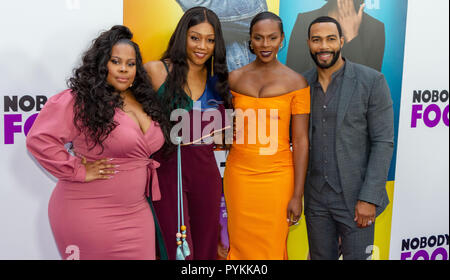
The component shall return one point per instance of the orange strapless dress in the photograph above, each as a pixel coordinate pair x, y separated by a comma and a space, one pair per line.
259, 175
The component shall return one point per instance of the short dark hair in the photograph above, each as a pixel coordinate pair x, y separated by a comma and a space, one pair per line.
267, 15
325, 19
95, 100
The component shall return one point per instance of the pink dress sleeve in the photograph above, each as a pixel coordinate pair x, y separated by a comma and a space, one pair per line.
52, 129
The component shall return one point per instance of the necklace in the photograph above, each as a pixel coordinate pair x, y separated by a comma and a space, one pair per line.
189, 91
203, 75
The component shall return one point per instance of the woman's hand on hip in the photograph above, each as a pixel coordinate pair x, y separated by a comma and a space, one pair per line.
99, 169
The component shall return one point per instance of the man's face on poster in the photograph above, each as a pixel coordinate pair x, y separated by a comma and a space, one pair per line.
325, 44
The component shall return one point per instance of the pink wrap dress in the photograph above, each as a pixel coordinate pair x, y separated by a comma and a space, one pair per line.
101, 219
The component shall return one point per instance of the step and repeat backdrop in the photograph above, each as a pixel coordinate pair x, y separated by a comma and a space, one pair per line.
406, 40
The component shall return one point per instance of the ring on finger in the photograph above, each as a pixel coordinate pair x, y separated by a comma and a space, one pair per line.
101, 171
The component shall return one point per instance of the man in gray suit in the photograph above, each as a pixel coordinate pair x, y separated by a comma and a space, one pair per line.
352, 140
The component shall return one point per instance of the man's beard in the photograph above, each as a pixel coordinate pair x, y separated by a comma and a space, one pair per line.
326, 66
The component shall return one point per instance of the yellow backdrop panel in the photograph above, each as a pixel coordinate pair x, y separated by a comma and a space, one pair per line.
298, 239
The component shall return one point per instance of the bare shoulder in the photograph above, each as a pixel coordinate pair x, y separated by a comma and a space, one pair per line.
157, 72
233, 77
154, 67
294, 80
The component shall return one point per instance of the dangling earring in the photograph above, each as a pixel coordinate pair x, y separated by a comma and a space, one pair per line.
212, 65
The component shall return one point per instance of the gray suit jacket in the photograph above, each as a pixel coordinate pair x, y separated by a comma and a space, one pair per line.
364, 135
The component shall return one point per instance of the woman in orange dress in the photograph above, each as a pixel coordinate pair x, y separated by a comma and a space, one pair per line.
264, 178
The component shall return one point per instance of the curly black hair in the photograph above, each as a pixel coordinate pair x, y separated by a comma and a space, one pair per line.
96, 100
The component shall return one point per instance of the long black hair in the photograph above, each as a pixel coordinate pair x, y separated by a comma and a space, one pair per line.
176, 54
96, 100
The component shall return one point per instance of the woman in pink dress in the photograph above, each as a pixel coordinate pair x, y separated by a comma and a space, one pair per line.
110, 114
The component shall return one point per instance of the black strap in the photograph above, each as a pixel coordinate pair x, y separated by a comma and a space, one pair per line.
165, 66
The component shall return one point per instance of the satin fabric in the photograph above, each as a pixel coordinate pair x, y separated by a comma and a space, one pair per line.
259, 177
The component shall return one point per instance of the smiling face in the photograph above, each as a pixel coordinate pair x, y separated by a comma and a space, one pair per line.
325, 44
266, 39
200, 43
121, 66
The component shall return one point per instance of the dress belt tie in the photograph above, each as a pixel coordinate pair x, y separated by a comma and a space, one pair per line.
128, 164
152, 176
